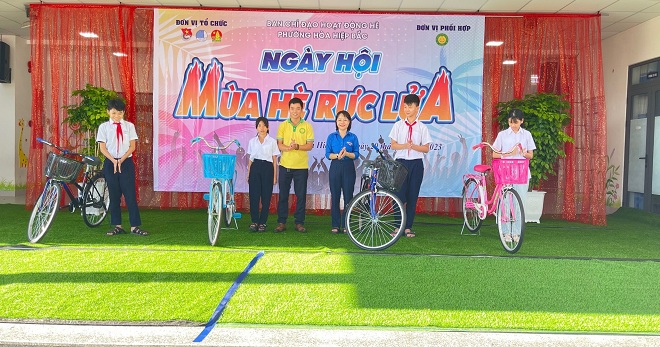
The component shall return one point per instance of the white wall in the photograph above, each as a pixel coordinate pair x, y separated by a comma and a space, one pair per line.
632, 46
15, 105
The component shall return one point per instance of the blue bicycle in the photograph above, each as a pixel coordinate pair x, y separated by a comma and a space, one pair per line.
375, 217
220, 168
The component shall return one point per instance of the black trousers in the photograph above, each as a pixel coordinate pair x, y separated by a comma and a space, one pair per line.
409, 192
299, 178
260, 189
342, 179
122, 183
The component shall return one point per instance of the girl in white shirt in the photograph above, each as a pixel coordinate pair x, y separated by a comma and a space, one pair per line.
508, 138
262, 168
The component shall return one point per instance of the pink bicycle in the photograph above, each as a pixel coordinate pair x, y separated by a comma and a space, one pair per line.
504, 202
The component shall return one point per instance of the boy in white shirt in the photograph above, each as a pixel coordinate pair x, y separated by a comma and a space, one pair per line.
117, 138
411, 140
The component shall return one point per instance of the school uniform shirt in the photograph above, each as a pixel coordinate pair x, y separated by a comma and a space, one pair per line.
117, 145
506, 139
302, 133
335, 143
262, 151
401, 134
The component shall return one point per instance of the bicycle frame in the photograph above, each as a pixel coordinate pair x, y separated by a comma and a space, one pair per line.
50, 200
76, 201
373, 188
221, 194
486, 205
375, 217
504, 202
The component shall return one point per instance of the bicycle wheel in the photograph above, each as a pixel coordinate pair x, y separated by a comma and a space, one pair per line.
228, 201
43, 212
96, 201
215, 212
470, 200
375, 232
511, 220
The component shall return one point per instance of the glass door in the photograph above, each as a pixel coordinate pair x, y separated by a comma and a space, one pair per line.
642, 184
654, 165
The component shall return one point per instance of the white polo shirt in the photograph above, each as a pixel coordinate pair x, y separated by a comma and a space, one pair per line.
107, 133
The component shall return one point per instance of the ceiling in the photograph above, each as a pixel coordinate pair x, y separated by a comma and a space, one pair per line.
617, 15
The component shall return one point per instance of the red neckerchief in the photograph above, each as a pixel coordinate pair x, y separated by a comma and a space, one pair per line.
410, 131
120, 136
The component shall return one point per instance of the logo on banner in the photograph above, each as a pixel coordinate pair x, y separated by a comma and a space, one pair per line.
216, 35
442, 39
201, 35
186, 33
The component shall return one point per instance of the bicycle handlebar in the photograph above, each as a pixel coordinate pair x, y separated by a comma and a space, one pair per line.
63, 150
375, 146
91, 160
217, 148
486, 144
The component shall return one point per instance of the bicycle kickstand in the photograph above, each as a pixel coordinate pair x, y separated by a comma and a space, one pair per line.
469, 234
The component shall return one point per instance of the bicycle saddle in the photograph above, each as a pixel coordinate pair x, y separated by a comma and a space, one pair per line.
91, 160
482, 168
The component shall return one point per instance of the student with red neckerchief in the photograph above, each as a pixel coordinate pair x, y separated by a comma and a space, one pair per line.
117, 138
411, 140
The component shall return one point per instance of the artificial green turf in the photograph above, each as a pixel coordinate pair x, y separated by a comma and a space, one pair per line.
318, 278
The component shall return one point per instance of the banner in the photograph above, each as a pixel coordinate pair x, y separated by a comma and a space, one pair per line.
216, 71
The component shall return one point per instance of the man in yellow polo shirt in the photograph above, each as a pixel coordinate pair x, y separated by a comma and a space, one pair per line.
295, 138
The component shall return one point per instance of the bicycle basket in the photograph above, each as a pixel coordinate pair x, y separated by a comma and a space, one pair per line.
62, 168
391, 174
510, 171
220, 166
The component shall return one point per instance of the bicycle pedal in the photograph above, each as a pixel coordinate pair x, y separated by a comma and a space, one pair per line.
206, 196
238, 215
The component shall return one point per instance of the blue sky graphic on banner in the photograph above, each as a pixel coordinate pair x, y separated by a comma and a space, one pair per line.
217, 71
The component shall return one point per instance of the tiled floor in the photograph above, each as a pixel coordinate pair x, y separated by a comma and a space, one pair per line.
18, 198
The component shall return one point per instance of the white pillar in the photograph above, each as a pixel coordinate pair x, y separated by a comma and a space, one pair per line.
15, 116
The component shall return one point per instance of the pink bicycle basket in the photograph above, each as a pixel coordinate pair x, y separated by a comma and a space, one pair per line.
510, 171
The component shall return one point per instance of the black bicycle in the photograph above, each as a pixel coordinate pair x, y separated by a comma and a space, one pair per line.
93, 197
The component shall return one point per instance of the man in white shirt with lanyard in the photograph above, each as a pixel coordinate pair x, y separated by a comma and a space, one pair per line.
411, 140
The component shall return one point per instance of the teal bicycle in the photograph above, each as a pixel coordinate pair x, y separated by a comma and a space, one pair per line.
220, 168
